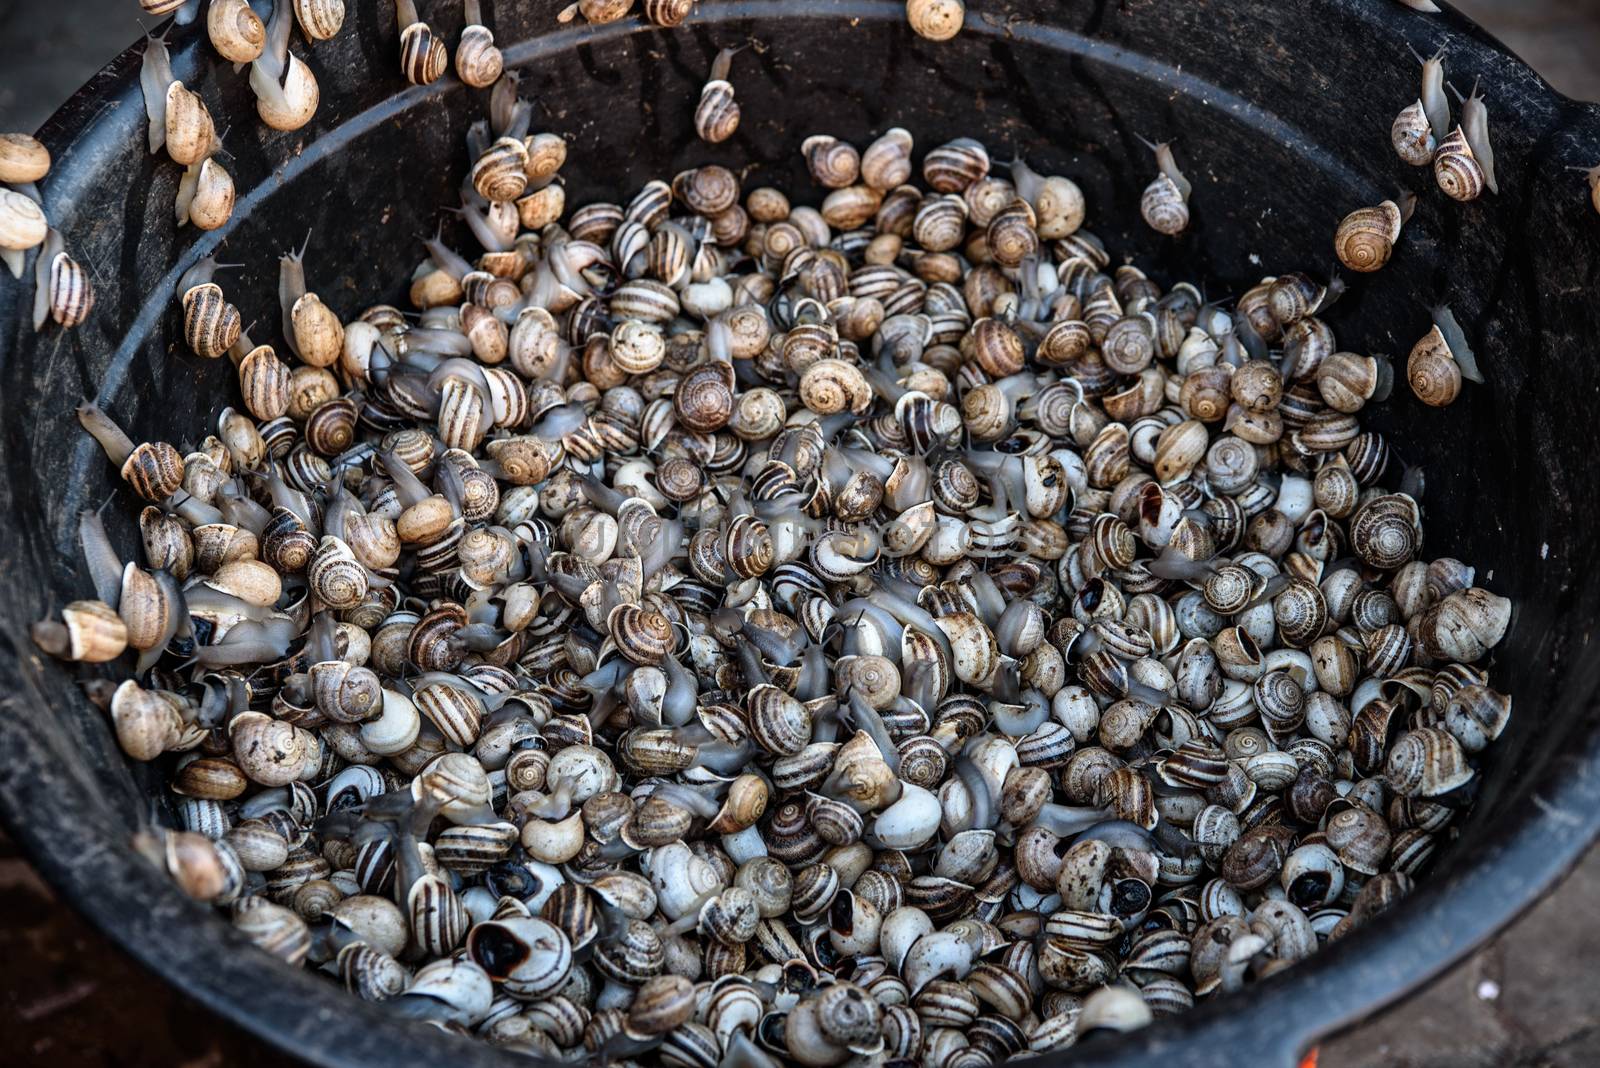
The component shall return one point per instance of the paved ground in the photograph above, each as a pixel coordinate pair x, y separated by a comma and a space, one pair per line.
68, 999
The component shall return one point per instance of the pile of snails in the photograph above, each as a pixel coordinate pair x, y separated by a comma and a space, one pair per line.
725, 631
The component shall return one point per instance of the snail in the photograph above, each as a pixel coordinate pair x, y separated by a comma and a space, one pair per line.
667, 13
716, 117
423, 56
205, 195
311, 329
235, 31
598, 12
61, 289
1165, 203
1412, 135
478, 62
1439, 362
286, 91
319, 20
935, 20
1456, 168
1475, 127
1366, 237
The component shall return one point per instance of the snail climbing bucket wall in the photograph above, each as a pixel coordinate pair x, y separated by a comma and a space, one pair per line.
1282, 111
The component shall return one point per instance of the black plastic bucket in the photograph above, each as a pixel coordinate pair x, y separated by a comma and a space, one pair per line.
1281, 111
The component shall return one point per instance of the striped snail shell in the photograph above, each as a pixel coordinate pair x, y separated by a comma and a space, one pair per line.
1456, 168
344, 693
832, 162
1300, 612
479, 62
331, 427
1412, 135
1230, 588
667, 13
1011, 235
500, 174
1387, 531
1281, 702
438, 919
1164, 207
63, 291
716, 117
1365, 238
286, 544
210, 324
953, 166
708, 190
370, 974
1130, 344
335, 575
1426, 763
319, 20
704, 397
1432, 370
642, 635
887, 161
940, 223
831, 386
423, 56
154, 470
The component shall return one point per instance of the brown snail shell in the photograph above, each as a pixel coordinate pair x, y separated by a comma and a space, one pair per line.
1456, 169
479, 62
1432, 370
1366, 237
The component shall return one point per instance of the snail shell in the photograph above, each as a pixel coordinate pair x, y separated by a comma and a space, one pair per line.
336, 576
831, 386
478, 62
319, 20
1366, 237
1426, 763
500, 174
423, 56
1412, 136
23, 159
22, 222
210, 324
716, 117
667, 13
1164, 207
1456, 168
1432, 370
69, 296
832, 163
935, 20
887, 161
